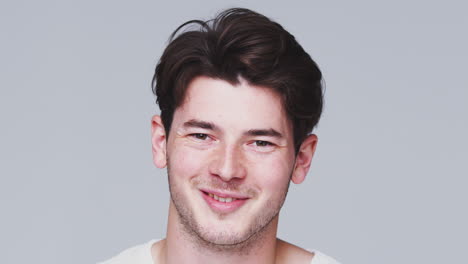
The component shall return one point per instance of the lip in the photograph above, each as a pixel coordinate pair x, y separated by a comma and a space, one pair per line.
225, 194
221, 207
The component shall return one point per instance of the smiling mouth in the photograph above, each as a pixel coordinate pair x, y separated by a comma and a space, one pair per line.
222, 199
223, 203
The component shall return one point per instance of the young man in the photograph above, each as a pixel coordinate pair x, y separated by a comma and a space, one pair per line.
238, 98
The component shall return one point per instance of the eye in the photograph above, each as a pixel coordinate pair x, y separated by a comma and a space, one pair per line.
261, 143
199, 136
262, 146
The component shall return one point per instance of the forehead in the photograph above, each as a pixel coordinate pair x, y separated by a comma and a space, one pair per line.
242, 106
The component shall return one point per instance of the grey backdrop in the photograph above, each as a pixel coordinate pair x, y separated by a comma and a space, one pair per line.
388, 184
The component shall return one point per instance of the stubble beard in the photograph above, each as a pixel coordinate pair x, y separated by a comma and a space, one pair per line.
225, 241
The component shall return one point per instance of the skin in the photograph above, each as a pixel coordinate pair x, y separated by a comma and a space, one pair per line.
235, 139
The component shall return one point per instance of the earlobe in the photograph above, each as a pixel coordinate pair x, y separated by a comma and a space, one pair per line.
304, 159
158, 140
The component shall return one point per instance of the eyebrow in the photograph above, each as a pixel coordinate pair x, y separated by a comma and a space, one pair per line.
200, 124
264, 132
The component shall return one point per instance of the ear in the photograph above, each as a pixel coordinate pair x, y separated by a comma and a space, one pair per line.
158, 139
304, 158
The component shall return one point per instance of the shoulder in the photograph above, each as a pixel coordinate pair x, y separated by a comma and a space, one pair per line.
140, 254
289, 253
320, 258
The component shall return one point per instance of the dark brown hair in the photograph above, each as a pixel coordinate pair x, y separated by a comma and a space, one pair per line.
241, 43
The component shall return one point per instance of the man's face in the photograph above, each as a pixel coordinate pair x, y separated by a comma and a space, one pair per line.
230, 155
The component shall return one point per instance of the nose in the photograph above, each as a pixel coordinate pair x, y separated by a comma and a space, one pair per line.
228, 163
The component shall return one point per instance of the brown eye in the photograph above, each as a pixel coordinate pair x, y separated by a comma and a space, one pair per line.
261, 143
200, 136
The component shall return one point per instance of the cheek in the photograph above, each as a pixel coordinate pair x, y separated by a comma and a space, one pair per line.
272, 173
186, 162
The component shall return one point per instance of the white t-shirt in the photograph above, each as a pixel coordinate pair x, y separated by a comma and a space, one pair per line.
141, 254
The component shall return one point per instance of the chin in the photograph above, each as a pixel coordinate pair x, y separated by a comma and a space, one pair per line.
223, 238
235, 233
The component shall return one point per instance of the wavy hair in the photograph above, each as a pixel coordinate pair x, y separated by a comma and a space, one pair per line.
240, 43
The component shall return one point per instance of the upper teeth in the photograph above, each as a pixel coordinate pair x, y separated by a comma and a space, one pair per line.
222, 199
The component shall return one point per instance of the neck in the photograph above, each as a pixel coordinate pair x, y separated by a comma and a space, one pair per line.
183, 246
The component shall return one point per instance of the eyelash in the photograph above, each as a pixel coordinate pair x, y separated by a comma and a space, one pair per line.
199, 136
267, 144
257, 143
